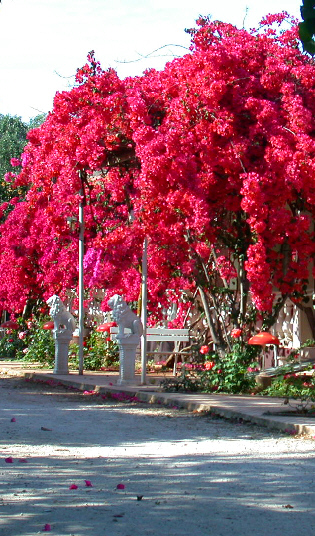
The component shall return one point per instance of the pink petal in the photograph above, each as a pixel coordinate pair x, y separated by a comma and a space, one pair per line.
8, 460
13, 419
73, 486
120, 486
47, 528
88, 483
22, 460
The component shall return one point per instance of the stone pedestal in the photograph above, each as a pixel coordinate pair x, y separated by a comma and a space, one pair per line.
130, 330
263, 380
62, 341
64, 326
127, 358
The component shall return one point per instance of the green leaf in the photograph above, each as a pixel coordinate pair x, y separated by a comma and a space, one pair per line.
307, 9
309, 47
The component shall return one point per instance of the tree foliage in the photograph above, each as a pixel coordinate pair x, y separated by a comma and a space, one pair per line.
13, 132
212, 159
307, 27
12, 141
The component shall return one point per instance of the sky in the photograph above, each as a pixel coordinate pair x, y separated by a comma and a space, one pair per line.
44, 42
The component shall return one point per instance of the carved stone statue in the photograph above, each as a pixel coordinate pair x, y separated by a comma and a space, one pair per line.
63, 319
127, 340
64, 326
125, 318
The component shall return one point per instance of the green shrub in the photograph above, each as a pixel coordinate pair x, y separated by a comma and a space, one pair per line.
29, 343
99, 352
39, 345
41, 348
294, 385
11, 345
234, 373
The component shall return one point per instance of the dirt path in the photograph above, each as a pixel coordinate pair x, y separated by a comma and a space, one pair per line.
144, 471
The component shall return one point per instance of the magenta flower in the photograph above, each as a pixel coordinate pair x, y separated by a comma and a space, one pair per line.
15, 162
25, 159
8, 177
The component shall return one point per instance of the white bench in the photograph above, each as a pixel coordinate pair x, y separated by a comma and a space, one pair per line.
176, 336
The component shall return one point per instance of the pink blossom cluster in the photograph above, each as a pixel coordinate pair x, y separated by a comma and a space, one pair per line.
225, 268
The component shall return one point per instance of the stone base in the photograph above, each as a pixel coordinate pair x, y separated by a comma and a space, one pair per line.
62, 372
127, 360
120, 381
61, 355
263, 380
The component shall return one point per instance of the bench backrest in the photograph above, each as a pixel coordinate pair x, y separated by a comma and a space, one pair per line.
160, 334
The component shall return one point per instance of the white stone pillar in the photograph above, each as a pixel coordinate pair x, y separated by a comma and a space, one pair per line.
127, 358
62, 341
64, 326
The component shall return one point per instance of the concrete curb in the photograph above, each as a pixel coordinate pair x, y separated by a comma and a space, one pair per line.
242, 409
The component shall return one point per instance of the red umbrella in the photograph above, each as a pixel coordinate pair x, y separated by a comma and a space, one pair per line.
264, 338
10, 324
105, 327
49, 325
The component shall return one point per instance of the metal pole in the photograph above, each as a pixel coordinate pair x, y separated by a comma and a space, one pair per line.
81, 281
144, 311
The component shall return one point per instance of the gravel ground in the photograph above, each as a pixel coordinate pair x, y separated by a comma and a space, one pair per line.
178, 473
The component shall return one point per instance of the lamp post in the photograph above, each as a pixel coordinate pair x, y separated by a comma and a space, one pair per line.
144, 292
81, 272
71, 222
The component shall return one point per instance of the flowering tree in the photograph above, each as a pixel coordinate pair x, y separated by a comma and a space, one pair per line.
212, 159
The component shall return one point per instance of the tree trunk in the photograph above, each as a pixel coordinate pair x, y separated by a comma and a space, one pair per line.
213, 330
